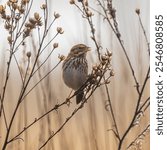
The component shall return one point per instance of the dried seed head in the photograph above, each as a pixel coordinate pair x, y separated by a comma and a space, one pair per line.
2, 9
32, 21
104, 58
89, 14
107, 81
109, 53
13, 1
113, 12
9, 38
112, 73
43, 6
94, 68
21, 9
26, 32
36, 16
61, 57
99, 73
72, 1
56, 15
60, 30
86, 3
55, 45
28, 54
8, 17
7, 26
138, 11
14, 6
24, 2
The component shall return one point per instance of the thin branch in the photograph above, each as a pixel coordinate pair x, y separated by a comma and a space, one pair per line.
136, 110
37, 120
140, 136
144, 32
40, 80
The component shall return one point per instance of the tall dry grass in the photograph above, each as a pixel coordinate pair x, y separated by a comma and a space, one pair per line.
35, 112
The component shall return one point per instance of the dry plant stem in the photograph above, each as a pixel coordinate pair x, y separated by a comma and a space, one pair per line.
117, 33
55, 108
89, 19
67, 119
40, 80
65, 122
140, 93
144, 32
24, 88
12, 51
131, 125
22, 80
139, 136
116, 132
145, 104
138, 108
106, 87
5, 84
36, 120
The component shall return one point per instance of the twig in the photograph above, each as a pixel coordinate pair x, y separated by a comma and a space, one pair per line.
40, 80
139, 137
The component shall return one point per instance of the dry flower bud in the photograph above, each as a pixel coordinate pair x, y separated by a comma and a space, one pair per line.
112, 73
8, 17
86, 3
99, 73
104, 58
13, 1
113, 12
26, 32
89, 14
55, 45
60, 30
109, 53
56, 15
24, 2
43, 6
138, 11
72, 1
61, 57
8, 3
36, 16
28, 54
107, 81
94, 68
21, 9
32, 20
9, 38
7, 26
2, 9
14, 6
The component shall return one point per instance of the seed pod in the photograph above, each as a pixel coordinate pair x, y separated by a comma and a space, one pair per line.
28, 54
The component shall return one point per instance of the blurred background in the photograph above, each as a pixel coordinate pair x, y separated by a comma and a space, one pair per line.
90, 128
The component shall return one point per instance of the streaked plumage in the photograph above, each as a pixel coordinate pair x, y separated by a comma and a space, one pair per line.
75, 69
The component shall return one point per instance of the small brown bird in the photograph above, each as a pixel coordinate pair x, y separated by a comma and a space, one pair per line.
75, 69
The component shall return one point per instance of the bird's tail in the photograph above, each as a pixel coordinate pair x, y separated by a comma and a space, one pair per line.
79, 96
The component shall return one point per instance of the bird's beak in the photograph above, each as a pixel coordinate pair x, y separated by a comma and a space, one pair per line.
88, 49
